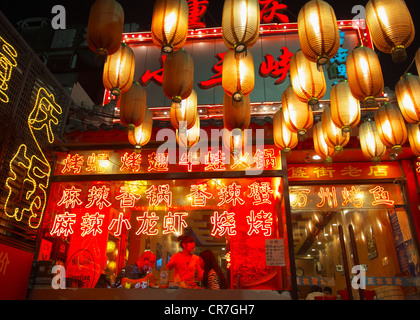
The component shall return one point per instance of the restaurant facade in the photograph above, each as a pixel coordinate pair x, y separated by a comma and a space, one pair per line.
278, 222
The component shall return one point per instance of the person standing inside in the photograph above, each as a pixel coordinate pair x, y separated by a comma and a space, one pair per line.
213, 277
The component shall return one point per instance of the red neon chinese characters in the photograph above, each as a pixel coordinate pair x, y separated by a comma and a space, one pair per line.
159, 194
270, 9
381, 196
158, 162
265, 159
240, 161
230, 194
197, 9
127, 199
131, 161
157, 75
70, 197
261, 221
97, 163
199, 195
92, 224
188, 159
327, 197
353, 196
223, 224
63, 224
147, 224
260, 192
276, 69
217, 78
214, 161
298, 197
98, 197
74, 163
174, 223
120, 221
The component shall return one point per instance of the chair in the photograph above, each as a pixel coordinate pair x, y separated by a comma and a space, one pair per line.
369, 294
343, 294
326, 297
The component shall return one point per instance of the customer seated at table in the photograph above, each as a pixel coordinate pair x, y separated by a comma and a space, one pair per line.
213, 277
141, 271
327, 291
315, 291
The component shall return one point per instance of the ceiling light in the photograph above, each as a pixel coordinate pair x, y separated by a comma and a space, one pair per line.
316, 157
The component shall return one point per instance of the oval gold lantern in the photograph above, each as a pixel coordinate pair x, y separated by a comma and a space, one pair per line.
133, 106
238, 75
364, 74
118, 71
345, 109
170, 24
391, 127
332, 134
318, 31
320, 145
307, 81
407, 91
140, 135
298, 117
236, 114
178, 75
391, 27
370, 143
284, 139
235, 140
414, 138
240, 24
191, 136
105, 27
184, 114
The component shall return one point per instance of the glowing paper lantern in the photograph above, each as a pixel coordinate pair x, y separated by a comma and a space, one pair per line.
235, 140
414, 138
170, 24
318, 31
370, 143
391, 27
105, 27
345, 109
307, 81
184, 112
190, 137
118, 70
332, 134
140, 135
236, 114
178, 75
391, 127
364, 74
284, 139
321, 147
238, 75
240, 24
407, 91
133, 105
297, 115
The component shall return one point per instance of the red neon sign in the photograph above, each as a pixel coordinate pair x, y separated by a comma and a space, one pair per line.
98, 197
223, 224
261, 221
147, 224
92, 224
63, 224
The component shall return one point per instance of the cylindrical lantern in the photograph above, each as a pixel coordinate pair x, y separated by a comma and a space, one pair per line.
140, 135
118, 71
170, 24
307, 81
178, 75
414, 138
391, 27
321, 147
345, 109
318, 31
133, 106
407, 91
238, 75
190, 137
391, 127
240, 24
235, 140
370, 143
298, 116
105, 27
236, 114
332, 134
184, 112
364, 74
284, 139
